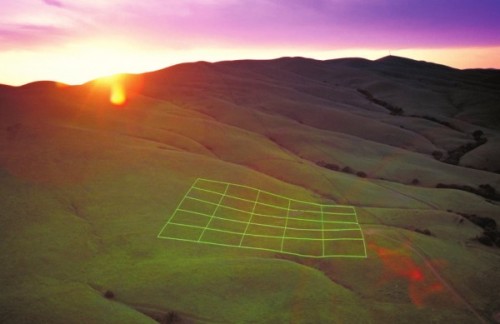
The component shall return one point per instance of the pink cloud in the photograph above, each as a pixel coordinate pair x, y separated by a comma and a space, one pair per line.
54, 3
31, 36
310, 23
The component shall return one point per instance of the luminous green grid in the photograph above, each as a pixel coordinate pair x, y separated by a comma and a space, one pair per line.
232, 215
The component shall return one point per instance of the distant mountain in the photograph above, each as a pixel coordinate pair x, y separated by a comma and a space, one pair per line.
86, 186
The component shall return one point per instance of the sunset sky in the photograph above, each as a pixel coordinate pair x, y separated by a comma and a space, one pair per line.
74, 41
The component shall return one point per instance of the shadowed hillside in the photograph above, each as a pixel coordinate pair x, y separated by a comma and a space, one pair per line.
86, 187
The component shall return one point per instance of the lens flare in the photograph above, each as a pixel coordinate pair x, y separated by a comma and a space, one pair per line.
119, 90
118, 96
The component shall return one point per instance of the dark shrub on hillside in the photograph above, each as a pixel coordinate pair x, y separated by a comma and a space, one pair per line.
332, 167
455, 155
438, 155
394, 110
361, 174
477, 134
487, 191
490, 235
171, 317
485, 223
485, 240
329, 166
494, 236
347, 170
415, 182
423, 231
434, 119
109, 294
480, 141
490, 238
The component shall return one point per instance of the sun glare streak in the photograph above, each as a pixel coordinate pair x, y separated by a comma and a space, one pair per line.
118, 95
120, 89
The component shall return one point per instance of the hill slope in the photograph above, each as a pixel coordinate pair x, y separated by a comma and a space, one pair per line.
86, 187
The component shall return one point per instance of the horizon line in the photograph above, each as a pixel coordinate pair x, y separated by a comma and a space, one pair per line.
130, 73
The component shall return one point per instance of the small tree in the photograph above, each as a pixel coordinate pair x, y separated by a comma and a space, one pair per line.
347, 170
438, 155
109, 294
361, 174
477, 134
171, 317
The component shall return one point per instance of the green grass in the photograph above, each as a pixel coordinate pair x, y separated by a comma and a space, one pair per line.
233, 215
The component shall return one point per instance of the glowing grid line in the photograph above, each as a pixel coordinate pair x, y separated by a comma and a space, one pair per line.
250, 220
233, 215
286, 225
212, 216
178, 206
323, 230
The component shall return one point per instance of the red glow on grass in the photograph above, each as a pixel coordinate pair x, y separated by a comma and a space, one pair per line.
416, 275
398, 264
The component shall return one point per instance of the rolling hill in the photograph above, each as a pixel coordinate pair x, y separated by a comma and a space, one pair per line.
86, 186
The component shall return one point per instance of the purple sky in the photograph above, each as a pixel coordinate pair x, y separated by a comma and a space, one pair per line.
65, 32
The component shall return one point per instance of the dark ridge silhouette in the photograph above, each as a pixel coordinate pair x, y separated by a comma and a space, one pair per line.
403, 62
41, 85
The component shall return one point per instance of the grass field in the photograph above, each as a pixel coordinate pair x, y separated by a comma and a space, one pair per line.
233, 215
106, 215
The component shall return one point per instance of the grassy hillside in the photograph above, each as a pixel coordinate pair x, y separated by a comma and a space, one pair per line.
86, 187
